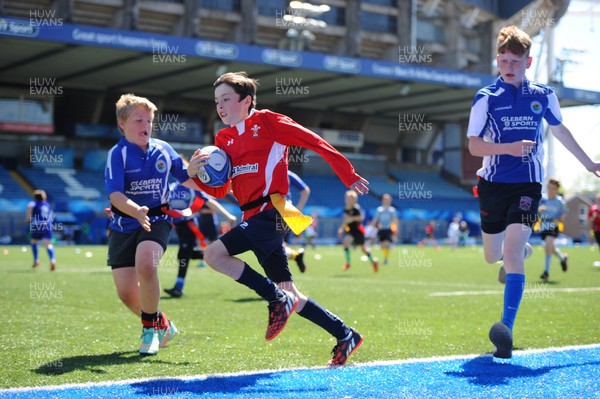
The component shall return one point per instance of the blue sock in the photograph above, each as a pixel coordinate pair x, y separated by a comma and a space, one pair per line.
34, 249
548, 261
513, 292
325, 319
51, 254
180, 282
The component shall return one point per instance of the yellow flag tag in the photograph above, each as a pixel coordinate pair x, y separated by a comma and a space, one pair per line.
297, 221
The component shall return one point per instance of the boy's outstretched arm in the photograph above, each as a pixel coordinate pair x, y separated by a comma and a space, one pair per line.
479, 147
565, 136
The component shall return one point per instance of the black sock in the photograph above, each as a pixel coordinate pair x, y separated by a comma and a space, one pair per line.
264, 287
197, 254
325, 319
150, 320
183, 267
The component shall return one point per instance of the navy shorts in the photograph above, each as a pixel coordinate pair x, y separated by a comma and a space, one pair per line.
122, 246
501, 204
41, 233
262, 234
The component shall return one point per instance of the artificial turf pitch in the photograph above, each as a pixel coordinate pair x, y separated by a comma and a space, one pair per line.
69, 326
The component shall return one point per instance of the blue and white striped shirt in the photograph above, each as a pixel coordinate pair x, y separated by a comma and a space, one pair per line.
503, 113
142, 176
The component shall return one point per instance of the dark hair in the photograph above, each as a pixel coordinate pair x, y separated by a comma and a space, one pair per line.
39, 195
554, 181
241, 84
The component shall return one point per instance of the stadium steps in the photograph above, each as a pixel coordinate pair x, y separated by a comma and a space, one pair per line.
25, 185
73, 187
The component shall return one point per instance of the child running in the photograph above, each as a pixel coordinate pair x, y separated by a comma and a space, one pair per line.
256, 143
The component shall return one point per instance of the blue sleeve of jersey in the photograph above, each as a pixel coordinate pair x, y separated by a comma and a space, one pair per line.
114, 175
178, 170
296, 181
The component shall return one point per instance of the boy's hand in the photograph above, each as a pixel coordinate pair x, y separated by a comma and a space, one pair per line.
521, 148
360, 186
142, 217
197, 163
595, 169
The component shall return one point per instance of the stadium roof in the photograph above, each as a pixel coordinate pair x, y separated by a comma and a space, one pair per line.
107, 60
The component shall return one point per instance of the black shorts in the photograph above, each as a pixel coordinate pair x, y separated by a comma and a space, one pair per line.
385, 235
206, 224
262, 234
597, 236
549, 232
502, 204
358, 237
122, 246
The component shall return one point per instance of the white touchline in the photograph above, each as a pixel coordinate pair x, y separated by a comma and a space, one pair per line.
494, 292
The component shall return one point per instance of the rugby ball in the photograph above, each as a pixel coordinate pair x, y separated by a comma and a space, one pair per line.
217, 171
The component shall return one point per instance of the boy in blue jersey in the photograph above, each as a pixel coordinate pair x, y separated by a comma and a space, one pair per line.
137, 173
39, 217
506, 129
552, 213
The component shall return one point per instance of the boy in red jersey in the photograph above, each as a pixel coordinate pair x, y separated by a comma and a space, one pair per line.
257, 142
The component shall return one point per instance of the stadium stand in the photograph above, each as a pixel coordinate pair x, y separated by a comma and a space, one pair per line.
10, 189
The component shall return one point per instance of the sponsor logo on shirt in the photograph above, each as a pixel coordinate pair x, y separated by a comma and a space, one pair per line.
503, 108
160, 166
146, 186
133, 170
536, 107
519, 122
242, 169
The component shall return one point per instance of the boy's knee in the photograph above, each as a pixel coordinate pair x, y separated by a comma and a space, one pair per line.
212, 255
492, 258
146, 270
127, 297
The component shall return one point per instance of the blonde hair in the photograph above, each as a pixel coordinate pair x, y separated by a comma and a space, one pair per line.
514, 40
128, 102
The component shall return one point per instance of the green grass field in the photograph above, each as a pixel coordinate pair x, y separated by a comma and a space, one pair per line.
69, 326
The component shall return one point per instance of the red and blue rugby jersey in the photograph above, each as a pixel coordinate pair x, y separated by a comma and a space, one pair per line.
258, 149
